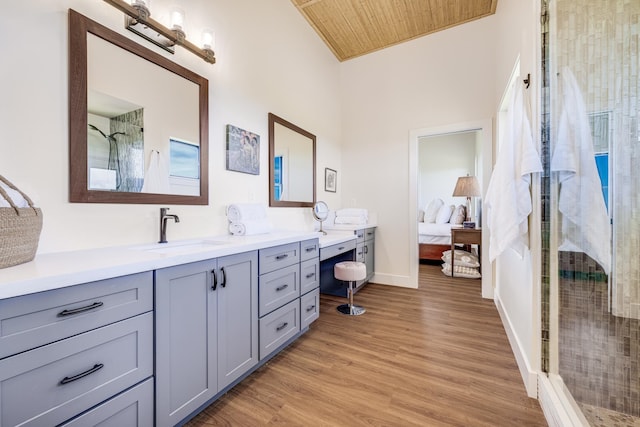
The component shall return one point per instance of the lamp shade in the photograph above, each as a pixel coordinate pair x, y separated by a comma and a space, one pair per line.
467, 186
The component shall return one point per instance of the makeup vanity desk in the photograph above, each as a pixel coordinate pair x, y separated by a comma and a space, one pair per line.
346, 243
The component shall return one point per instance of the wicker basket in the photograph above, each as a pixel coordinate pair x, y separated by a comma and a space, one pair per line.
19, 229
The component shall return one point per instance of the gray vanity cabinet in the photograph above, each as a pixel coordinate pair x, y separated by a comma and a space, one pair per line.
206, 331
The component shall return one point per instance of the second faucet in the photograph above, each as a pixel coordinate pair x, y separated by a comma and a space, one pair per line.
163, 223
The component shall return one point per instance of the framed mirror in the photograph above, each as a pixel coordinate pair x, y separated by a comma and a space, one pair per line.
138, 122
292, 168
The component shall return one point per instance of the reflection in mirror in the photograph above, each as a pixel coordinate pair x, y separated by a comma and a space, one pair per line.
138, 122
292, 164
118, 98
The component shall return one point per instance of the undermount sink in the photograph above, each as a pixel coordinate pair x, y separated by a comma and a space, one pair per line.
180, 247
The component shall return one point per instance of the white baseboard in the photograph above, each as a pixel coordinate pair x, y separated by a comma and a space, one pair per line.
392, 280
559, 409
529, 376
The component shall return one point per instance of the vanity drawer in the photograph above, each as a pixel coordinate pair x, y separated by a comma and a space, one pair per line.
53, 383
309, 249
278, 288
33, 320
134, 407
309, 275
369, 234
360, 235
309, 308
277, 327
337, 249
278, 257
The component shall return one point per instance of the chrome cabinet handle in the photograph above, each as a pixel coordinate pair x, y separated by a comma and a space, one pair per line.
281, 327
80, 309
67, 380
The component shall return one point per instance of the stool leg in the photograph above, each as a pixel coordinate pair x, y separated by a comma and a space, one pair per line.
351, 309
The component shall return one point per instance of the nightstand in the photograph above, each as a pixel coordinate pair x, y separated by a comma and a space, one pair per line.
466, 236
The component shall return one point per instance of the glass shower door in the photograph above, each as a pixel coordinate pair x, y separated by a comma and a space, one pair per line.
592, 162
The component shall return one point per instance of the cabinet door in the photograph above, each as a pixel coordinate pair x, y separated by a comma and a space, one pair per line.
237, 295
369, 257
186, 350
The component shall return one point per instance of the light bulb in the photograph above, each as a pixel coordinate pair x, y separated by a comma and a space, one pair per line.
208, 39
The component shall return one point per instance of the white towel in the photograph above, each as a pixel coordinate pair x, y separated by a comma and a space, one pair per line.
584, 218
250, 227
15, 196
156, 180
508, 199
350, 220
352, 212
246, 211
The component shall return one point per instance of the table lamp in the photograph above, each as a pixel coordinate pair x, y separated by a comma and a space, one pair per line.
467, 186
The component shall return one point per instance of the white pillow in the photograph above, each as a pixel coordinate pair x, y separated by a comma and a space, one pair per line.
444, 214
432, 209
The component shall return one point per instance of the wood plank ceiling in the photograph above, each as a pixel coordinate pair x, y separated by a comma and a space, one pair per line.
353, 28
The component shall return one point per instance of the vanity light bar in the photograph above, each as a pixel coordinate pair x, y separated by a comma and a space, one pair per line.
140, 22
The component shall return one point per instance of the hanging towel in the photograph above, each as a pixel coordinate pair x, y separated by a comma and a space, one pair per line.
156, 180
584, 218
246, 211
508, 199
250, 227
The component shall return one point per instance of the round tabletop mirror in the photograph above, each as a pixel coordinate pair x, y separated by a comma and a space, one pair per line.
320, 213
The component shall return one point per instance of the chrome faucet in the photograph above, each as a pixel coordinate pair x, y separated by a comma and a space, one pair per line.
163, 223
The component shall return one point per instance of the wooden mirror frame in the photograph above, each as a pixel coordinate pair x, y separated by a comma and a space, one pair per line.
273, 119
79, 27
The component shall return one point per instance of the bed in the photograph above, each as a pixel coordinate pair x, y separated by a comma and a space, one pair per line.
434, 228
433, 239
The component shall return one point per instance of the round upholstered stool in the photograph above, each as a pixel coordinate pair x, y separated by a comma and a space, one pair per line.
350, 271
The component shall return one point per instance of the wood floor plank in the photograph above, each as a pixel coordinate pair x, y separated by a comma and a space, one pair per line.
435, 356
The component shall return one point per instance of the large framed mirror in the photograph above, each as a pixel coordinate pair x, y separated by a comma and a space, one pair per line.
292, 168
138, 122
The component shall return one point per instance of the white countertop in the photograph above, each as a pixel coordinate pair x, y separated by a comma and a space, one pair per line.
334, 238
58, 270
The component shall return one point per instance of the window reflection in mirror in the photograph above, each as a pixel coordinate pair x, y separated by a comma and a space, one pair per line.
135, 109
292, 168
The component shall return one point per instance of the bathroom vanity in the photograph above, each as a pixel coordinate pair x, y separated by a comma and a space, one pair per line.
345, 243
77, 329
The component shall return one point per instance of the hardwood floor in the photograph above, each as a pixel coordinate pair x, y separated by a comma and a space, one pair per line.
436, 356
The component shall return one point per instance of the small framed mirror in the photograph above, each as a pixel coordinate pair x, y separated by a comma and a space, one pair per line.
138, 122
292, 168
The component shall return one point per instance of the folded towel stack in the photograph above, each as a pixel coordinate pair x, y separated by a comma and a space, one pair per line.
465, 264
352, 216
247, 219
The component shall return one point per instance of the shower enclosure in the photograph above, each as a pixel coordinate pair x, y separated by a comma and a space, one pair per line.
591, 207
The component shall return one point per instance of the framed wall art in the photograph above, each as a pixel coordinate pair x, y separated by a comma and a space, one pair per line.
243, 151
330, 180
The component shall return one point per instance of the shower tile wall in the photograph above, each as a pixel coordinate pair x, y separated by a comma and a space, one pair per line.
600, 352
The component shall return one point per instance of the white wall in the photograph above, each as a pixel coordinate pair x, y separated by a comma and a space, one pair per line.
517, 292
268, 60
444, 158
443, 78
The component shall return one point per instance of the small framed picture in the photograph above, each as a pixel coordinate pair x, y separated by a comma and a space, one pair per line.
330, 180
243, 151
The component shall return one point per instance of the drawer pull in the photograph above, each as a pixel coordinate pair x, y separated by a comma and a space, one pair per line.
80, 309
366, 249
67, 380
224, 278
281, 257
311, 249
311, 308
281, 288
281, 327
214, 279
341, 248
310, 275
